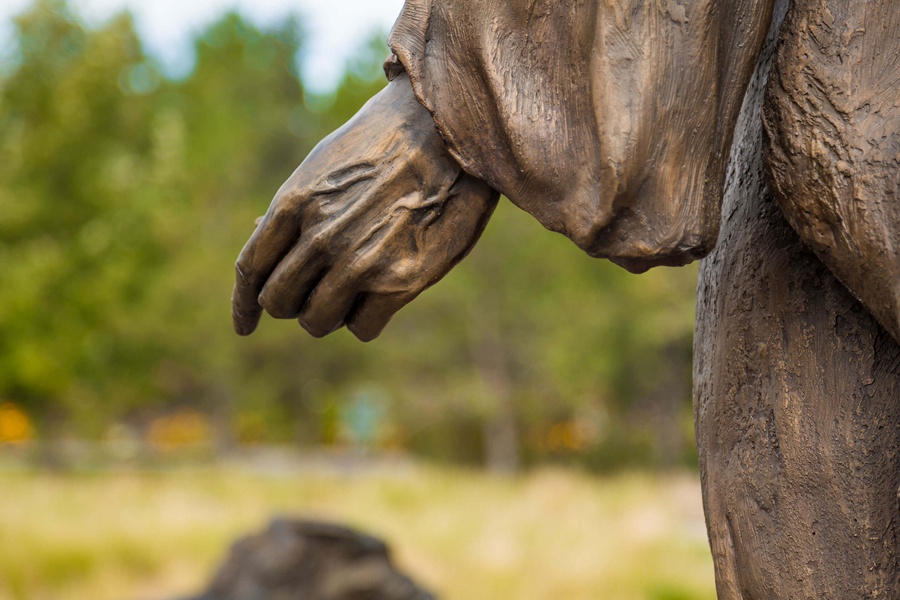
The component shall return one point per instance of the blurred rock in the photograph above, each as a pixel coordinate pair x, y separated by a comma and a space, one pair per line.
308, 560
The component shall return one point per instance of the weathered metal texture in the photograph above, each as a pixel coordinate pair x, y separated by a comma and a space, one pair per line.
833, 121
610, 122
797, 406
377, 212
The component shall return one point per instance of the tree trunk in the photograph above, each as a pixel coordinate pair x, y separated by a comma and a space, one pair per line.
500, 429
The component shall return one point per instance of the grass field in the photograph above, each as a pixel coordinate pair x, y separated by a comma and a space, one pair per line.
551, 534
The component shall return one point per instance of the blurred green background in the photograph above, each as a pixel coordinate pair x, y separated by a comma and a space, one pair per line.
127, 193
126, 196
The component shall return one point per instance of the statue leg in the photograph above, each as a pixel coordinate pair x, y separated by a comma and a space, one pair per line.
798, 425
797, 408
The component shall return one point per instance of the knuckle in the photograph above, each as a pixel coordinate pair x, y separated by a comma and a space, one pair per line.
319, 240
288, 195
281, 213
407, 274
318, 251
285, 207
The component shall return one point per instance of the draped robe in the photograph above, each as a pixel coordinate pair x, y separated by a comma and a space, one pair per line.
609, 121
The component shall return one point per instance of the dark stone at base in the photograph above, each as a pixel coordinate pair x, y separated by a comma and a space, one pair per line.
308, 560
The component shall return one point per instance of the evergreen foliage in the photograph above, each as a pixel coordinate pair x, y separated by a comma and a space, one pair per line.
127, 194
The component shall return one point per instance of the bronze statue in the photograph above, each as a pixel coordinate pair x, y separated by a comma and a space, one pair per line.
651, 133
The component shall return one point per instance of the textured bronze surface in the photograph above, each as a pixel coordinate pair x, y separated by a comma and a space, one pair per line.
833, 119
378, 212
612, 122
797, 406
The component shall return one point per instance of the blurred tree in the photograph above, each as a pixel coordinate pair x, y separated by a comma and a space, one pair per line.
363, 78
228, 128
126, 196
529, 331
78, 204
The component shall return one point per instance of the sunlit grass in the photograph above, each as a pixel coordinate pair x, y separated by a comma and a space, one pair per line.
552, 534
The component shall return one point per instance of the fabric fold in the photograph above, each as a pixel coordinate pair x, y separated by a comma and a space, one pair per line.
609, 121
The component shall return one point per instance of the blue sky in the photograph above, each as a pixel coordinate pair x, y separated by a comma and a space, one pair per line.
335, 26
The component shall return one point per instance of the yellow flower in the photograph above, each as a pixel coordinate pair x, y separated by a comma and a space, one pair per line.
15, 426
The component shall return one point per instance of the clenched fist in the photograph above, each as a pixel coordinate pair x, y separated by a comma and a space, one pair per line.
378, 212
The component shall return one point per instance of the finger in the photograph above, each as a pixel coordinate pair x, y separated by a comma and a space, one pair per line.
329, 303
271, 240
292, 281
245, 310
373, 312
